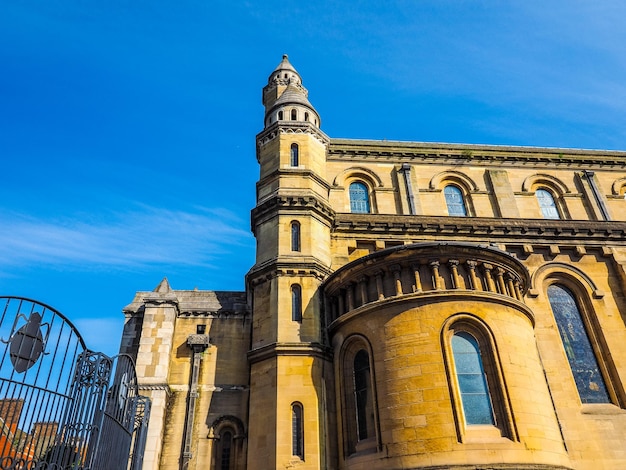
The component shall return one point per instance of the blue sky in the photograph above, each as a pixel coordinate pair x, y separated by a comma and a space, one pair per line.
127, 128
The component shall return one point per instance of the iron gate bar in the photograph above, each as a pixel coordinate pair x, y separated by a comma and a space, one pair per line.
62, 405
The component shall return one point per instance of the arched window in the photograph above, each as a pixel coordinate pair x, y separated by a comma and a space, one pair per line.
455, 201
471, 379
294, 160
306, 117
547, 204
294, 115
295, 236
363, 396
359, 198
225, 454
296, 303
578, 348
280, 115
297, 430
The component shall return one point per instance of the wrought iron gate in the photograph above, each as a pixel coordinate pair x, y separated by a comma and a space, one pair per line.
63, 406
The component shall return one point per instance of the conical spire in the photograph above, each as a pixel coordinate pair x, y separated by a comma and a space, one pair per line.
285, 99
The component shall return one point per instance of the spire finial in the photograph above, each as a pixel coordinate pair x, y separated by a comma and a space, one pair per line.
285, 57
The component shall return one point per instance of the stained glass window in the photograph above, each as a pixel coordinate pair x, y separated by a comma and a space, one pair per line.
547, 204
359, 199
297, 431
454, 201
582, 360
363, 395
472, 381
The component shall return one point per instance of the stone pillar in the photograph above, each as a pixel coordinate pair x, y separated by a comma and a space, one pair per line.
160, 309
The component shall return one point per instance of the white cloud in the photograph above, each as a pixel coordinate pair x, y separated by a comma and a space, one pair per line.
141, 237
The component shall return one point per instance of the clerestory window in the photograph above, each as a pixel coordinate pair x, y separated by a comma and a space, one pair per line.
359, 198
455, 201
547, 204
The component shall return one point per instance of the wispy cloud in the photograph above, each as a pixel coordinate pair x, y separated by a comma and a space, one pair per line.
140, 237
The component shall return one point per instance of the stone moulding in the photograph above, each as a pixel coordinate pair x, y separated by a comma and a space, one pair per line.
345, 149
289, 349
562, 230
430, 268
289, 127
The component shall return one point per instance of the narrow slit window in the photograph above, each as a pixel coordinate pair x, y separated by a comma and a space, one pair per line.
547, 204
306, 117
280, 115
294, 115
471, 380
297, 430
226, 444
296, 303
455, 201
359, 198
294, 157
580, 354
363, 396
295, 236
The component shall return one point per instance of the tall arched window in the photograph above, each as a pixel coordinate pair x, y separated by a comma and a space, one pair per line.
297, 430
226, 445
295, 236
306, 116
578, 348
294, 115
280, 115
547, 204
296, 302
294, 160
363, 396
455, 201
359, 198
472, 382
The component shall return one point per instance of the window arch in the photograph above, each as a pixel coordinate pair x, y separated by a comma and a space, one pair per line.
295, 236
547, 204
359, 198
280, 115
297, 430
475, 378
578, 348
227, 433
358, 397
455, 201
296, 302
470, 373
294, 157
294, 115
306, 116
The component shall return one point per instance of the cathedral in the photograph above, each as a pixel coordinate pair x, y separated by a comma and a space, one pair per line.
412, 306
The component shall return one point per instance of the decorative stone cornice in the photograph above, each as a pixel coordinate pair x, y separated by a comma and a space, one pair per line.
286, 202
290, 172
481, 228
222, 313
303, 266
289, 127
423, 152
290, 349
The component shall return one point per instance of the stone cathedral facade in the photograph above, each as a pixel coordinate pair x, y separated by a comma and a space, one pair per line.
412, 306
